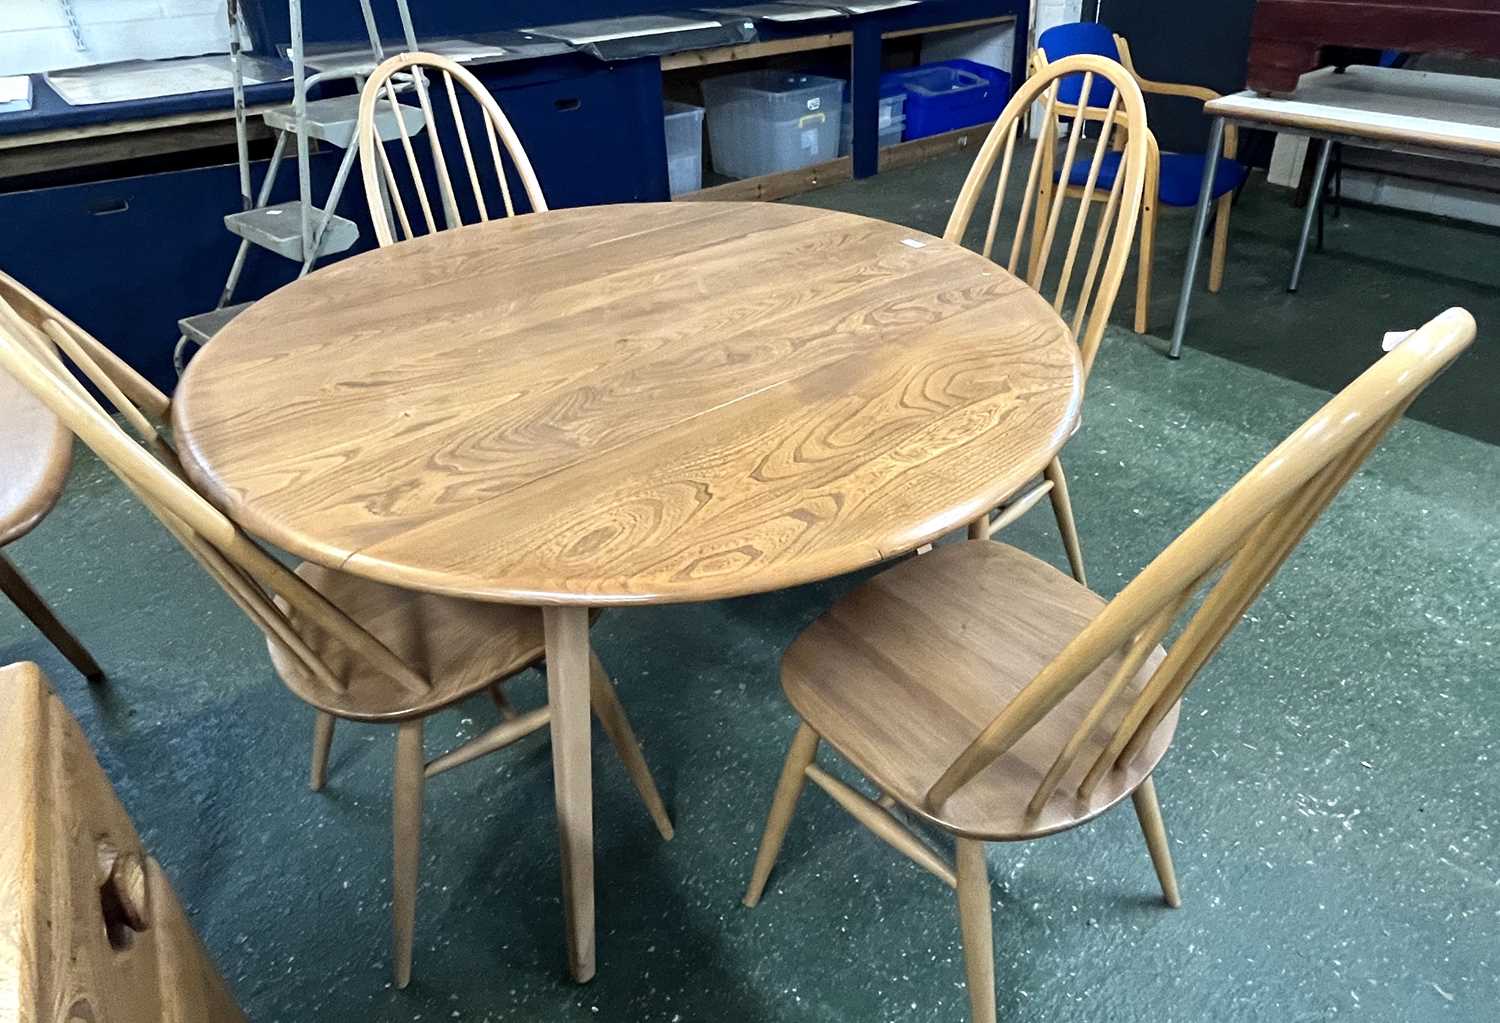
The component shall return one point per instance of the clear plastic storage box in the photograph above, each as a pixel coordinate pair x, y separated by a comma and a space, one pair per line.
684, 125
890, 122
763, 122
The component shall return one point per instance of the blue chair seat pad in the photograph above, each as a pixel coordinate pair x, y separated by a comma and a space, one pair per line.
1181, 176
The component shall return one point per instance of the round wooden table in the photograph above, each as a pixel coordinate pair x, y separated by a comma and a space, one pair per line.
628, 405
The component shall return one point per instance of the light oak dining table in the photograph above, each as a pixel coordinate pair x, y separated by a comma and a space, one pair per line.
624, 405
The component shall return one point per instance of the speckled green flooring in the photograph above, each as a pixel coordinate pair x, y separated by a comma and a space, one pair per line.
1331, 797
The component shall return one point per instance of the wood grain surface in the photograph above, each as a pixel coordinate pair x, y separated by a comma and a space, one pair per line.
90, 929
630, 404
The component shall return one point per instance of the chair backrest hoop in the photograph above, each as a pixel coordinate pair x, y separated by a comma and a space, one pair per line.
383, 191
1041, 224
1247, 534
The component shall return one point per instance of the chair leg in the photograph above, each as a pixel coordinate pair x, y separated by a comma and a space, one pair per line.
322, 742
1143, 267
979, 529
1148, 812
977, 931
1062, 507
15, 586
783, 804
606, 704
407, 820
1221, 243
502, 702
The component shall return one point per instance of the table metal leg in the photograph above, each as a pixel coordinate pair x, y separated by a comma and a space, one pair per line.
1314, 201
1195, 245
567, 640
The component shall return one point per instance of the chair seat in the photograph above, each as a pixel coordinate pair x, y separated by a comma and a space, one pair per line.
36, 450
1181, 176
460, 646
903, 673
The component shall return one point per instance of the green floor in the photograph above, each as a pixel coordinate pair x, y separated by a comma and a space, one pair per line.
1331, 796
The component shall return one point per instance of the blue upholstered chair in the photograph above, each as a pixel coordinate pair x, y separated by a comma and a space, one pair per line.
1174, 178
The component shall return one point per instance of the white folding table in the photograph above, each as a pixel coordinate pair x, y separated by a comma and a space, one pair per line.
1421, 112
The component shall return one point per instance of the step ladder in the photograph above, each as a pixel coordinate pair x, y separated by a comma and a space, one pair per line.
299, 230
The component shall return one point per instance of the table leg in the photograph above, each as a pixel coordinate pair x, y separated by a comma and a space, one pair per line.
1195, 245
1314, 200
567, 639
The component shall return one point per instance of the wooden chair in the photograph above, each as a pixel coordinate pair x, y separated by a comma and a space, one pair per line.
1041, 211
36, 452
90, 928
386, 193
1174, 178
351, 648
991, 697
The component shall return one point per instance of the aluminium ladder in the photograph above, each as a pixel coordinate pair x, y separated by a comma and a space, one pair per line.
297, 230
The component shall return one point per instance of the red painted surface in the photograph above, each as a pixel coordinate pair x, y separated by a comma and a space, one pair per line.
1287, 36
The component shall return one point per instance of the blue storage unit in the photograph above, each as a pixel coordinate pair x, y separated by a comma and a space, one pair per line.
950, 94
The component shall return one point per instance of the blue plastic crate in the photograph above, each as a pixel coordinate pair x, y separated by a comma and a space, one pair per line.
950, 94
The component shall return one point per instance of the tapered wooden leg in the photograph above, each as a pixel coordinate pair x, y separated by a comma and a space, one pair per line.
1221, 243
1143, 267
793, 779
616, 725
1148, 812
567, 633
15, 586
322, 742
974, 924
1062, 507
407, 820
979, 529
502, 702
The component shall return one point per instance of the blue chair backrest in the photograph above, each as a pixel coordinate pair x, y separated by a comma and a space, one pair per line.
1070, 40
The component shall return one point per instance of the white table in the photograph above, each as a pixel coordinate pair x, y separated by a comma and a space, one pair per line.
1421, 112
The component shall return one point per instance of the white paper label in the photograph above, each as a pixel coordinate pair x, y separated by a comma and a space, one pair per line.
815, 103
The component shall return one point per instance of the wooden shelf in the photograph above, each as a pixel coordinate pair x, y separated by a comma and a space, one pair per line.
819, 175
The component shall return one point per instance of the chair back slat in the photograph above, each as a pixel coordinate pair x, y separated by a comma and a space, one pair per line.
249, 575
1039, 222
463, 142
1042, 250
416, 72
1233, 550
1081, 218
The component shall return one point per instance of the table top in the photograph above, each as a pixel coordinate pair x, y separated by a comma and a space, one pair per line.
1457, 113
630, 404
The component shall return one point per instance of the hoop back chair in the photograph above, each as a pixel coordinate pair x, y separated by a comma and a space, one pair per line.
990, 696
351, 648
384, 188
1039, 228
1174, 178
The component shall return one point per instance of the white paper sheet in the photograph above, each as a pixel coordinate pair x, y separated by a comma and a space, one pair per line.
581, 33
464, 51
778, 12
38, 35
147, 79
15, 94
